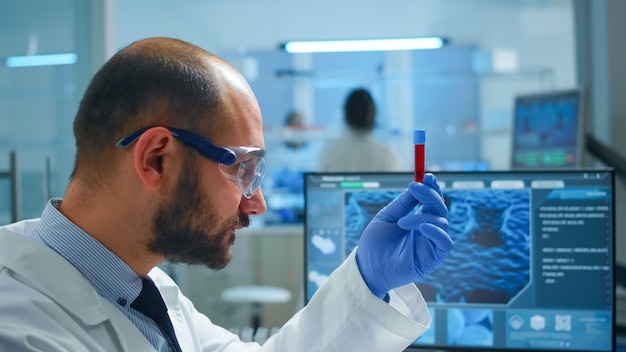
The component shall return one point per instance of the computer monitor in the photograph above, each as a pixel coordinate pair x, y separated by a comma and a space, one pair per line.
532, 268
548, 130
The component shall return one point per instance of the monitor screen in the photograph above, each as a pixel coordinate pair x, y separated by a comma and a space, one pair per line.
548, 130
532, 266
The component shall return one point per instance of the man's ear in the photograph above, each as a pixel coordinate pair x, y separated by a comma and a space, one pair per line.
151, 149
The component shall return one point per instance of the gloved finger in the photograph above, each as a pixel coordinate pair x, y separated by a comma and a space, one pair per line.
441, 254
431, 180
438, 236
413, 221
432, 201
399, 207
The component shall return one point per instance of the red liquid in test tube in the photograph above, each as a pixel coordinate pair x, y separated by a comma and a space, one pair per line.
419, 142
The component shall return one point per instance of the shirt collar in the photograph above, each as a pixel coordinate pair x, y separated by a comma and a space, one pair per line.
109, 275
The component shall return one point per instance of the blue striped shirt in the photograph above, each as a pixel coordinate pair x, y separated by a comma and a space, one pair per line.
112, 278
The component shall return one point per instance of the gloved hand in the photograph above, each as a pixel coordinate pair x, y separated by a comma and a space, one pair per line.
398, 246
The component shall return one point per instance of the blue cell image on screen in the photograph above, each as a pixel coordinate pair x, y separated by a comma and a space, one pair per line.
360, 208
490, 261
470, 327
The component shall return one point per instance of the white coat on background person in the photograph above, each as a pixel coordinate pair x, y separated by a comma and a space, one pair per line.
357, 149
169, 162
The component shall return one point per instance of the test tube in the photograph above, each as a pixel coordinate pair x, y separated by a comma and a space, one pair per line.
419, 151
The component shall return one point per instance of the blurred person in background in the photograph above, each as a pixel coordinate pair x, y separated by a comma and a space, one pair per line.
358, 149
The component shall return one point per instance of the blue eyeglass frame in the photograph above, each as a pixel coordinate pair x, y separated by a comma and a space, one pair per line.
218, 154
223, 155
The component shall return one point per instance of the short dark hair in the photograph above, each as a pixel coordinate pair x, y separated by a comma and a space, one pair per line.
157, 81
360, 110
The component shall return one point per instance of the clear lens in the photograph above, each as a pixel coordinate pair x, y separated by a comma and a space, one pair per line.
248, 171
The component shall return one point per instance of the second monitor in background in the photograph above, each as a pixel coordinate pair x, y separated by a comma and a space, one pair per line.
548, 130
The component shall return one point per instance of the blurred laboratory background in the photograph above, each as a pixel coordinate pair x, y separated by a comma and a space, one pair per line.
463, 94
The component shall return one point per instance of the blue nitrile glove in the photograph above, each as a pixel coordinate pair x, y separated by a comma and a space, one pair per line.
400, 246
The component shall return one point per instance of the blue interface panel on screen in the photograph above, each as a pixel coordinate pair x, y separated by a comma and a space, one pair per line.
548, 130
533, 264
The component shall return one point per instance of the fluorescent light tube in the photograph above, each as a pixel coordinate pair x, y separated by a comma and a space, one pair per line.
41, 60
364, 45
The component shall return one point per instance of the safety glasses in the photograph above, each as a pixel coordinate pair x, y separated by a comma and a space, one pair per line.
243, 165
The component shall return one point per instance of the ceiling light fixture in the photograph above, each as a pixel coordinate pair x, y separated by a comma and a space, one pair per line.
364, 45
41, 60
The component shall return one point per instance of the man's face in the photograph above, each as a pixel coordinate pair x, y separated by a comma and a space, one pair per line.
197, 224
188, 230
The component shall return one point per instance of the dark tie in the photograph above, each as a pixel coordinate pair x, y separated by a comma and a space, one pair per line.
151, 304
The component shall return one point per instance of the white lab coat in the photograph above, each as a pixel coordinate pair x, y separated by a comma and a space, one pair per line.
47, 305
357, 151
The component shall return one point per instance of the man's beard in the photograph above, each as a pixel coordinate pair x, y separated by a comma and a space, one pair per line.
181, 227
